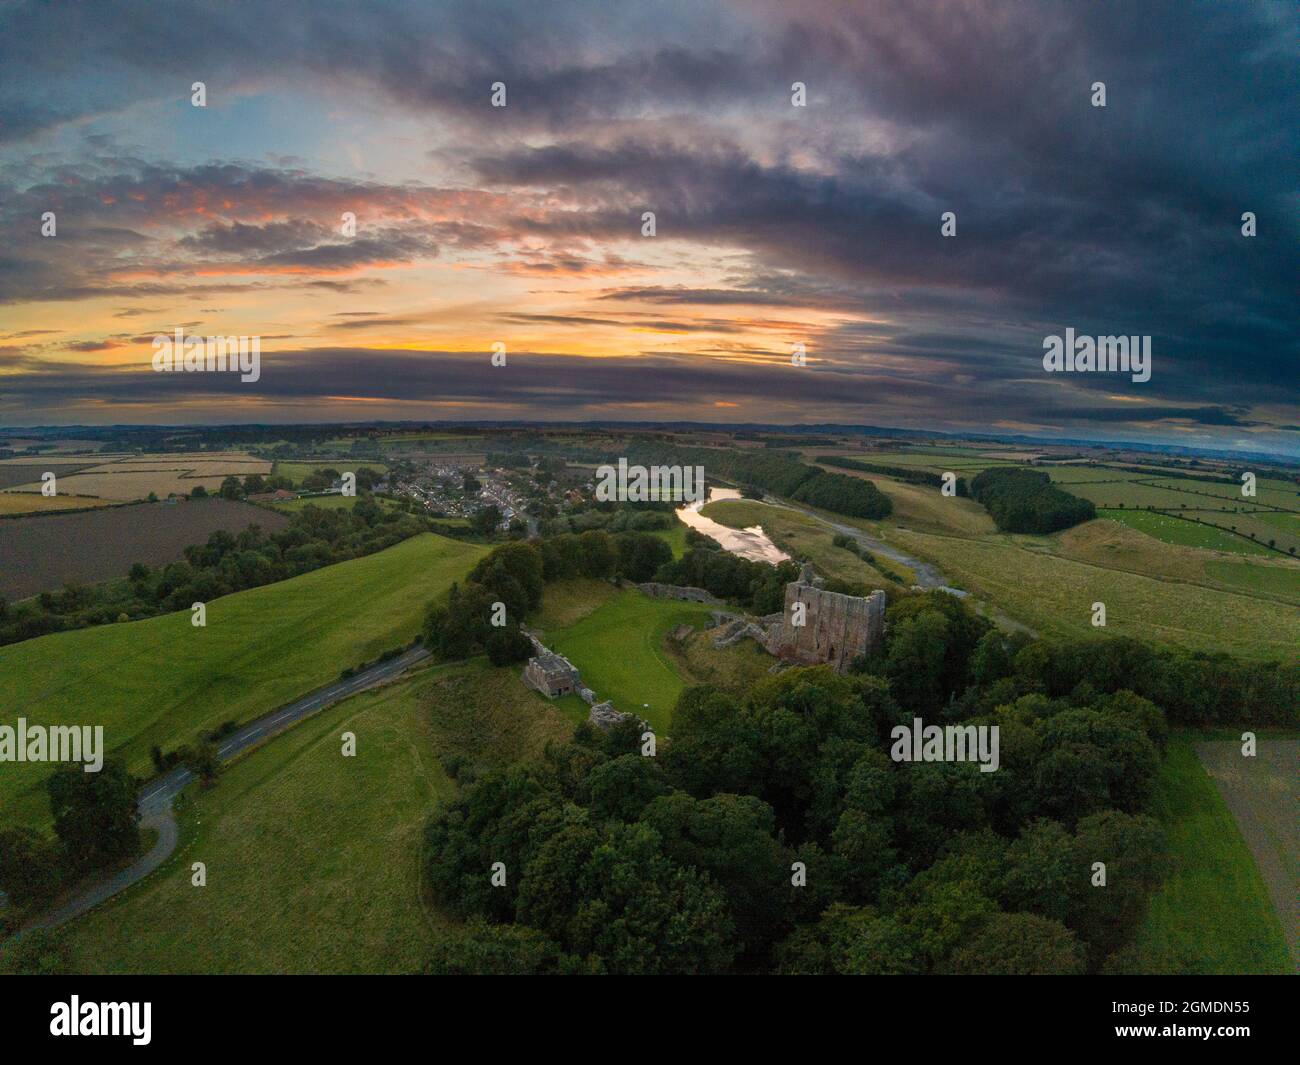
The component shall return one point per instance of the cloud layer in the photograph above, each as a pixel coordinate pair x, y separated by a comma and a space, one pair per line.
775, 224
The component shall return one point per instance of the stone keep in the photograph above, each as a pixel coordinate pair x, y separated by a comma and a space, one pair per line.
837, 628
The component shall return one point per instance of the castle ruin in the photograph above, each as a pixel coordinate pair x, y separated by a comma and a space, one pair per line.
836, 627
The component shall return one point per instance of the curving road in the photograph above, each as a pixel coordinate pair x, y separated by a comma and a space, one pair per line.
155, 799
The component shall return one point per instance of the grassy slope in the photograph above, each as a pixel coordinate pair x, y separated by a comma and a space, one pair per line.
312, 858
1213, 914
162, 680
1055, 596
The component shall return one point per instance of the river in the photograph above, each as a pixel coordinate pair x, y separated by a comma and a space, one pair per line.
751, 543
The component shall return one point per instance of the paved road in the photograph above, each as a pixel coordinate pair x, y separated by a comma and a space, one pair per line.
155, 800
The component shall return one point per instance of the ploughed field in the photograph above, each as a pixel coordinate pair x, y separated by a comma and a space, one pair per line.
45, 552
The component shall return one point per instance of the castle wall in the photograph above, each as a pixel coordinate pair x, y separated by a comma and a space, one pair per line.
837, 627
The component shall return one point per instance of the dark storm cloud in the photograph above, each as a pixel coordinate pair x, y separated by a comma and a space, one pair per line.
1122, 220
660, 385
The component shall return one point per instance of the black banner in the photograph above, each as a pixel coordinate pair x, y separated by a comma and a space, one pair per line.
347, 1014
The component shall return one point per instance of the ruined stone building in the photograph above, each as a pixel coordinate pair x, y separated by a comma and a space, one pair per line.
836, 629
551, 674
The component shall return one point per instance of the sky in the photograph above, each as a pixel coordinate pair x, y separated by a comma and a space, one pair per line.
775, 225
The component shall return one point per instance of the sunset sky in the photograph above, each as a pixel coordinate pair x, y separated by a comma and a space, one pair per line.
776, 224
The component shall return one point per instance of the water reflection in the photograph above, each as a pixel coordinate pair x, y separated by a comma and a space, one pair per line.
751, 543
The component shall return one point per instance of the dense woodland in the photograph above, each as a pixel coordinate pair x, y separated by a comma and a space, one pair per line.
1026, 501
616, 862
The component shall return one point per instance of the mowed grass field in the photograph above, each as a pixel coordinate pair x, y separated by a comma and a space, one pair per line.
618, 648
1213, 915
313, 860
162, 681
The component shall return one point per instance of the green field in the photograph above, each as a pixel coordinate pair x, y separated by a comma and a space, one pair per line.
618, 649
313, 859
675, 537
330, 502
1054, 595
1172, 530
161, 681
1283, 581
1213, 914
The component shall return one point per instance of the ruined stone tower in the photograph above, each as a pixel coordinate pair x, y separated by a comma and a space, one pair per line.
837, 628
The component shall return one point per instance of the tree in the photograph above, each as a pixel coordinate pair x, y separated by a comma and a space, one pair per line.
485, 522
29, 867
95, 814
506, 645
198, 492
205, 762
482, 949
231, 488
640, 555
1019, 944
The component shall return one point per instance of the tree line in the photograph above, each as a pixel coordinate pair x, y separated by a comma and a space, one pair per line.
1022, 500
780, 474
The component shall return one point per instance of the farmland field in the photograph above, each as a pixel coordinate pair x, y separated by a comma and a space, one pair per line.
29, 472
14, 504
1213, 915
314, 859
1054, 595
134, 477
1172, 530
1273, 580
1261, 793
44, 553
161, 681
